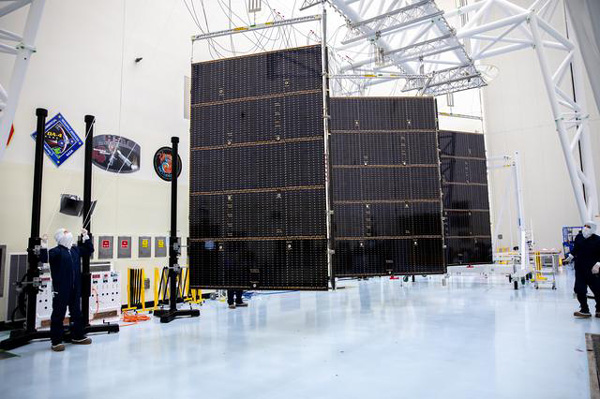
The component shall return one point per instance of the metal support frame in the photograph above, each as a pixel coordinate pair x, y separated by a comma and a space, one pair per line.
168, 315
86, 277
492, 31
447, 81
415, 38
326, 136
266, 25
310, 3
384, 24
494, 27
514, 163
22, 50
29, 333
377, 75
254, 5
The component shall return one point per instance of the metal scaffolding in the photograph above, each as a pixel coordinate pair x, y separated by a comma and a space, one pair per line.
413, 37
22, 47
498, 27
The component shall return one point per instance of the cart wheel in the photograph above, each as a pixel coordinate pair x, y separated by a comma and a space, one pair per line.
537, 287
509, 278
405, 279
553, 286
516, 284
523, 280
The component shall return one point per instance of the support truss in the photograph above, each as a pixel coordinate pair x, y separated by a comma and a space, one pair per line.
266, 25
447, 81
514, 163
412, 36
309, 3
22, 47
498, 27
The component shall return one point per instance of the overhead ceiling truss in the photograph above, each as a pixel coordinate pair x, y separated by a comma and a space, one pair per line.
498, 27
413, 39
411, 36
21, 46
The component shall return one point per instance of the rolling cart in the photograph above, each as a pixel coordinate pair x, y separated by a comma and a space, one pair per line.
546, 267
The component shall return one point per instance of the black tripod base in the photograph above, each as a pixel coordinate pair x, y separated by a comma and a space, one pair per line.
167, 316
22, 337
102, 328
19, 338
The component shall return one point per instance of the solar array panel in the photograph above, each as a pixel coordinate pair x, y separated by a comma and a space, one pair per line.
257, 178
466, 201
386, 188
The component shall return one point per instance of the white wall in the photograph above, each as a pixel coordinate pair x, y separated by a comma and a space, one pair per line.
85, 65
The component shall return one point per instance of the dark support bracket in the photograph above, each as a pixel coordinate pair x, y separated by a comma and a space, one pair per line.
25, 335
170, 314
86, 278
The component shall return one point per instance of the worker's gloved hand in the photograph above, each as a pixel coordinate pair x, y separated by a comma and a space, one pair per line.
596, 268
84, 235
568, 259
44, 242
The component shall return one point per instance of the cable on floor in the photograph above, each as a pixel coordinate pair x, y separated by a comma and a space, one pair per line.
133, 317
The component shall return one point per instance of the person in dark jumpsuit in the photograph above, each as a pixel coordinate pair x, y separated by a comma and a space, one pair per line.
241, 257
65, 268
586, 254
238, 299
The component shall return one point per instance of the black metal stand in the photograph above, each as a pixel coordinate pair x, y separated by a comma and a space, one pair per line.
170, 314
86, 278
25, 335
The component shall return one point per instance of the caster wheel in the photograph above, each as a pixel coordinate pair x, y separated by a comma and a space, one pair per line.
516, 284
510, 279
405, 279
554, 287
537, 287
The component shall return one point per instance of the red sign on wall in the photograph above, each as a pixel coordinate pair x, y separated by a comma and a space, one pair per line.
105, 244
124, 243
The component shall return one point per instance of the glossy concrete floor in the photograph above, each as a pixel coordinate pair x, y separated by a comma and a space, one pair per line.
472, 338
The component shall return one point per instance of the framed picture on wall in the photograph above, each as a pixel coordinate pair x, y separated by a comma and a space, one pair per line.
163, 163
116, 154
60, 140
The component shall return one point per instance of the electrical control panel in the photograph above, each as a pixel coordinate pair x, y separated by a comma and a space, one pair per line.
105, 299
44, 302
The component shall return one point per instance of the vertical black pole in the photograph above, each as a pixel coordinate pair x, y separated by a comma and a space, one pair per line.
174, 245
327, 144
166, 316
33, 258
86, 279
